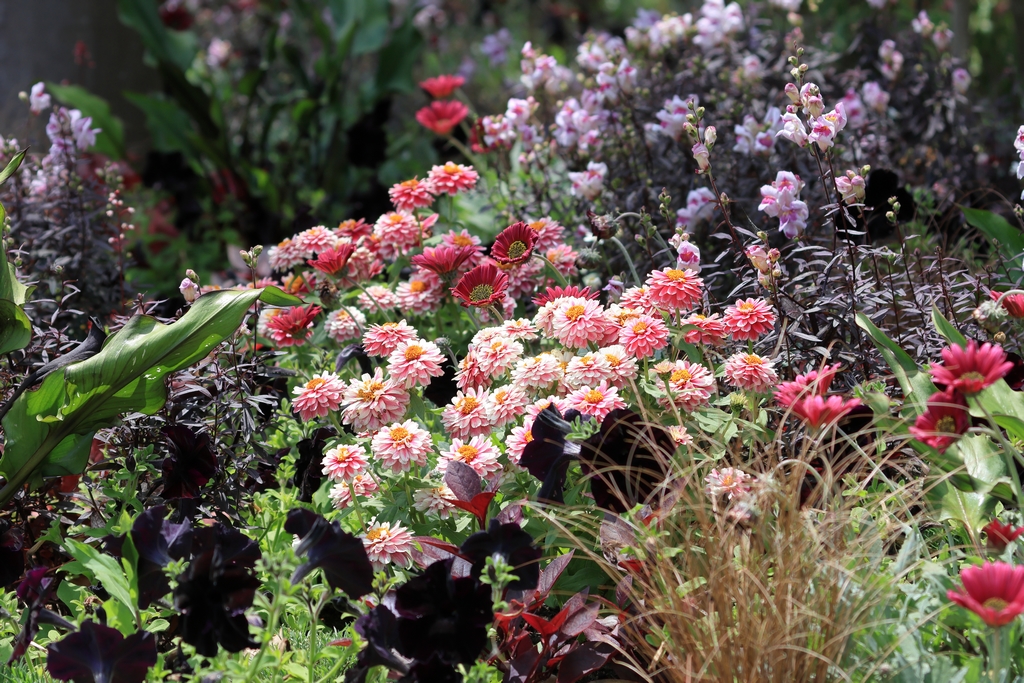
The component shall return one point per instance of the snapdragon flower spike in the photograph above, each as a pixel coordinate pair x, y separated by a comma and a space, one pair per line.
944, 420
101, 654
333, 261
445, 262
972, 368
1000, 535
442, 116
440, 87
513, 544
482, 286
994, 591
340, 555
514, 245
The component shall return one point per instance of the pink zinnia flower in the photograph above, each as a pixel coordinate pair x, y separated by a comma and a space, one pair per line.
944, 420
345, 324
727, 481
411, 194
969, 370
994, 591
750, 371
538, 372
314, 240
689, 385
377, 298
588, 370
470, 373
547, 231
441, 116
538, 406
638, 298
360, 485
813, 382
436, 500
478, 452
344, 462
673, 289
680, 435
517, 440
397, 233
520, 329
422, 294
415, 363
452, 178
372, 402
319, 396
285, 255
386, 544
381, 340
644, 335
597, 401
622, 365
505, 404
498, 355
748, 319
818, 411
710, 329
578, 322
466, 415
402, 445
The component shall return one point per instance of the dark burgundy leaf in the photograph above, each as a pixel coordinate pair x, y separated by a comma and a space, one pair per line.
100, 654
35, 590
579, 620
511, 514
340, 555
520, 669
583, 660
462, 480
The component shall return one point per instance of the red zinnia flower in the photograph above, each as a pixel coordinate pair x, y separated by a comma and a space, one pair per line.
333, 261
442, 116
552, 293
971, 369
994, 591
1012, 304
943, 421
482, 286
1000, 535
814, 382
514, 245
442, 86
443, 261
818, 411
293, 327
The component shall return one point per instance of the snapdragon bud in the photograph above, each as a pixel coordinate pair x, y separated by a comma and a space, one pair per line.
710, 137
792, 92
189, 290
191, 275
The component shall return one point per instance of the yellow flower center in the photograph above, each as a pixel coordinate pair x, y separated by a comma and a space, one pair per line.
995, 603
451, 167
501, 396
745, 306
376, 533
593, 396
315, 382
467, 404
675, 274
481, 293
468, 453
370, 390
751, 359
284, 244
413, 352
613, 360
462, 241
417, 286
537, 226
528, 436
400, 434
639, 327
516, 249
576, 312
411, 184
946, 425
390, 325
681, 375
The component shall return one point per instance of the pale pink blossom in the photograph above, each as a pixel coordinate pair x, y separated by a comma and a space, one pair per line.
466, 415
318, 397
477, 452
750, 371
597, 401
381, 340
402, 445
344, 462
361, 485
386, 544
373, 401
415, 363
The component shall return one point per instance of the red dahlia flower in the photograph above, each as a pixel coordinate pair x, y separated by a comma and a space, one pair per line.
943, 421
442, 86
441, 116
293, 327
482, 286
1012, 304
552, 293
1000, 535
443, 261
333, 261
514, 245
969, 370
994, 591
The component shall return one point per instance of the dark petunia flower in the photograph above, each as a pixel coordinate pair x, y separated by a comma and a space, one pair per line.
379, 628
511, 543
514, 245
432, 670
627, 460
216, 589
12, 553
442, 389
443, 617
547, 456
340, 555
157, 542
482, 286
100, 654
35, 590
882, 184
190, 465
308, 471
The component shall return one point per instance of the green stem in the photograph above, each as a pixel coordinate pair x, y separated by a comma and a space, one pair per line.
629, 261
554, 271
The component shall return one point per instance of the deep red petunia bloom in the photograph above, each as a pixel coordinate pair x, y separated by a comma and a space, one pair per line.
482, 286
1012, 304
969, 370
333, 261
944, 420
442, 116
552, 293
445, 262
1000, 535
514, 245
994, 591
293, 327
440, 87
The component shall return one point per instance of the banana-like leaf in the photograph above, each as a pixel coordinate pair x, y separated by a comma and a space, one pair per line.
49, 430
917, 385
1009, 240
15, 327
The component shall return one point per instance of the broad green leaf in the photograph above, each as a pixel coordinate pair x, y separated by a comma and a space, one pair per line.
1008, 239
15, 327
164, 45
110, 141
12, 166
917, 385
105, 568
168, 124
48, 429
946, 328
395, 62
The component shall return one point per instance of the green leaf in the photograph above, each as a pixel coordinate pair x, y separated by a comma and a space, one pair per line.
15, 327
142, 15
946, 328
168, 124
396, 61
12, 166
1009, 240
917, 385
104, 567
110, 140
48, 429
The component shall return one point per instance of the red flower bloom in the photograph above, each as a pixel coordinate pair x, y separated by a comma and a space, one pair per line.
442, 86
1013, 304
943, 421
444, 261
482, 286
994, 591
552, 293
442, 116
1000, 535
971, 369
814, 382
293, 327
514, 245
818, 411
333, 261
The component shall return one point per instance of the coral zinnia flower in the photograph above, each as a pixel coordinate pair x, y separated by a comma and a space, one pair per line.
1000, 535
414, 363
482, 286
689, 385
381, 340
442, 86
506, 404
818, 411
441, 116
623, 366
971, 369
750, 371
293, 327
577, 322
345, 324
994, 591
401, 445
644, 335
360, 485
411, 194
943, 422
333, 261
319, 396
477, 452
386, 544
452, 178
710, 329
514, 245
445, 262
344, 462
466, 415
1012, 304
597, 401
748, 319
372, 402
436, 500
673, 289
813, 382
539, 372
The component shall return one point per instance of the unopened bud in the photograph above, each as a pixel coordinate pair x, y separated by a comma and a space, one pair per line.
999, 337
710, 136
191, 275
189, 290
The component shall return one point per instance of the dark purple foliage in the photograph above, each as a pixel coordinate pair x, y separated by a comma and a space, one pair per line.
340, 555
12, 553
100, 654
34, 590
379, 627
157, 542
190, 465
511, 543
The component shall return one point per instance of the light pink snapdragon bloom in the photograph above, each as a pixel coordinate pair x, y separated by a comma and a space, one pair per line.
589, 184
38, 99
961, 81
780, 200
874, 96
793, 129
1018, 144
851, 186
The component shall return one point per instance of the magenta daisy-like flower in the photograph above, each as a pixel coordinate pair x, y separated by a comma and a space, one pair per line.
689, 385
373, 401
411, 194
748, 319
994, 591
750, 371
386, 544
498, 355
813, 382
817, 411
538, 372
673, 289
622, 365
514, 245
466, 416
402, 445
415, 363
319, 396
971, 369
344, 462
482, 286
505, 404
445, 262
292, 327
435, 500
597, 401
644, 335
588, 370
478, 452
944, 420
362, 485
452, 178
710, 330
381, 340
578, 322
